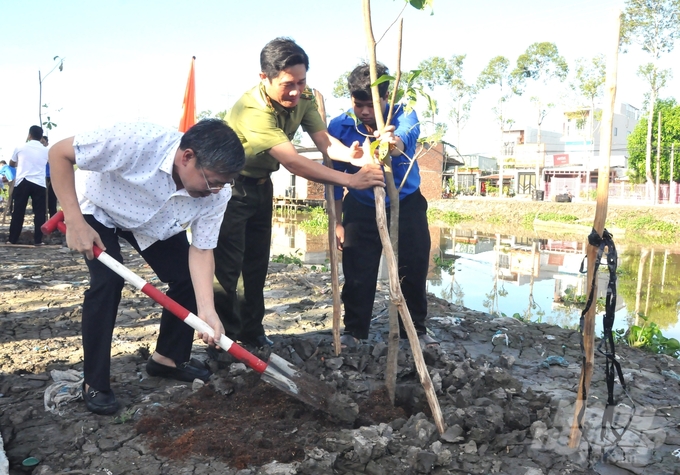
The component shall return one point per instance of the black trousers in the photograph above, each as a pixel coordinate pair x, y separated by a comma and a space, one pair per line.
22, 192
169, 259
51, 198
361, 260
242, 260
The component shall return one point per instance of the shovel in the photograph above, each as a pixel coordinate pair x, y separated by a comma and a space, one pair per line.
277, 371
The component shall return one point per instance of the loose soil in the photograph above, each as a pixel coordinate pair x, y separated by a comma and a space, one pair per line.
506, 390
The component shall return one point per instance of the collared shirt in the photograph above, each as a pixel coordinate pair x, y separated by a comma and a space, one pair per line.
262, 124
124, 179
31, 159
407, 129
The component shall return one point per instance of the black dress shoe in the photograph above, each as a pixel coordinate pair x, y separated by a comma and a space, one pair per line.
260, 341
187, 371
100, 402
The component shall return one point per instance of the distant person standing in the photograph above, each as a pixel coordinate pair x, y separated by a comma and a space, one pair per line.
30, 160
4, 180
7, 175
51, 197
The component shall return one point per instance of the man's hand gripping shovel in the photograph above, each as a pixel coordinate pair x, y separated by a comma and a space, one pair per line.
277, 371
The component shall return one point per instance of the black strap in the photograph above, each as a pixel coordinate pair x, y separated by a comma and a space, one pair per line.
606, 346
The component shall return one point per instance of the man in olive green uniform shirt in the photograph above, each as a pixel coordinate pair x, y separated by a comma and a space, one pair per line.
266, 119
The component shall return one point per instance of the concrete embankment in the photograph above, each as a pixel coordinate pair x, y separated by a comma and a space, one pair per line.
514, 210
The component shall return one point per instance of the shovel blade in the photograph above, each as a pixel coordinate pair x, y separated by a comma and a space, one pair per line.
303, 386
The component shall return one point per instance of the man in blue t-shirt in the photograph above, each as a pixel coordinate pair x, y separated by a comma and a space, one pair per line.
357, 232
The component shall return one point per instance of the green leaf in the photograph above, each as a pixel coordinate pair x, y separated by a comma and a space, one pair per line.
421, 4
374, 145
382, 79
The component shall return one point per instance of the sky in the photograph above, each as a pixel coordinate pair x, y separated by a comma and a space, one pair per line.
128, 60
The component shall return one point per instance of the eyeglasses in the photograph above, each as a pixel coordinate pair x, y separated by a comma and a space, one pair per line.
217, 187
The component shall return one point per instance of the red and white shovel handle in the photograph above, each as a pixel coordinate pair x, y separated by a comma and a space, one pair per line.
57, 222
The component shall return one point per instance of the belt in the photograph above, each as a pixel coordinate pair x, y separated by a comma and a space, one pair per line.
249, 180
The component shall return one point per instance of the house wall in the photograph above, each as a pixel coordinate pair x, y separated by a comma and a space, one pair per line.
302, 188
431, 164
581, 149
521, 146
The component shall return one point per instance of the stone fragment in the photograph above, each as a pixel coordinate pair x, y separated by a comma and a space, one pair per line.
425, 461
453, 434
419, 431
506, 361
334, 363
276, 468
444, 456
237, 368
470, 447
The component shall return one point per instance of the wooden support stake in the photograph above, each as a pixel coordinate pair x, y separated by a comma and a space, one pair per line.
588, 330
332, 246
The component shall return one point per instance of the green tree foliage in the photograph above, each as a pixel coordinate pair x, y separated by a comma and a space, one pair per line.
588, 84
434, 73
340, 86
540, 62
498, 73
655, 26
670, 133
440, 73
589, 77
206, 114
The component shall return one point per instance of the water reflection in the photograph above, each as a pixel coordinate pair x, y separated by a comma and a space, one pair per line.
530, 278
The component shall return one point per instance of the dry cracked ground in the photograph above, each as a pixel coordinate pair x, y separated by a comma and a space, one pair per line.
506, 391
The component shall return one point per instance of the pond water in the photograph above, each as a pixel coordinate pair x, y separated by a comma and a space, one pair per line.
534, 278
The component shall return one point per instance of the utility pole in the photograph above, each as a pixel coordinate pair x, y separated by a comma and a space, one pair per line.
671, 181
658, 160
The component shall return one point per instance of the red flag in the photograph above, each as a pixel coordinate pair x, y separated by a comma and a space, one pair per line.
189, 107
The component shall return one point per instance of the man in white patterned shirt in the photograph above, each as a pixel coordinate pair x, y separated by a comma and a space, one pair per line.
146, 184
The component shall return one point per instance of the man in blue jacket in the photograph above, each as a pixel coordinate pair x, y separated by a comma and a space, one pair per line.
357, 232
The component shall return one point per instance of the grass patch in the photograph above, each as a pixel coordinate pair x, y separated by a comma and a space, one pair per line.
647, 229
638, 222
317, 223
291, 258
446, 217
557, 217
528, 221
